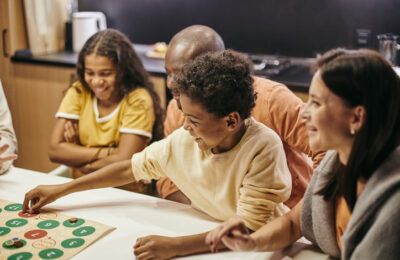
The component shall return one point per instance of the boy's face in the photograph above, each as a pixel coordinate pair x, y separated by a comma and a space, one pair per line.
208, 131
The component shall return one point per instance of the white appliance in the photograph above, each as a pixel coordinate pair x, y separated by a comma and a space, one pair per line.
84, 25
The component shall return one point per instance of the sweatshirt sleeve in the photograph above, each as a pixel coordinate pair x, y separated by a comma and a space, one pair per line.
266, 185
149, 163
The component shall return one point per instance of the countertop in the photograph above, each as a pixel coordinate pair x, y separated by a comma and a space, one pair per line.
297, 76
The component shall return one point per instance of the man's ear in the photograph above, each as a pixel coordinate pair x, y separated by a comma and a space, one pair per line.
233, 120
359, 118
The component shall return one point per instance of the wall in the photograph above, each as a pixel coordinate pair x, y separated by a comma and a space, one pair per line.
290, 27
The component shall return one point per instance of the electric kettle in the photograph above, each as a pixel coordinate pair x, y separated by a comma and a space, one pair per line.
84, 25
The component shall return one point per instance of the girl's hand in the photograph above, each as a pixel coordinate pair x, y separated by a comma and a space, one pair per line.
86, 168
234, 234
71, 131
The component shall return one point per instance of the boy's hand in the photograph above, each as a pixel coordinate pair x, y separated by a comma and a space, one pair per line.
40, 196
155, 247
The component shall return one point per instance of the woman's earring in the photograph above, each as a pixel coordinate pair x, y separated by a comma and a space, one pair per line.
352, 131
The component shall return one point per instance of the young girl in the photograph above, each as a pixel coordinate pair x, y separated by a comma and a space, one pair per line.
351, 208
111, 113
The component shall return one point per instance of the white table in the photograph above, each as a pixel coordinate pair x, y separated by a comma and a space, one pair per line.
134, 215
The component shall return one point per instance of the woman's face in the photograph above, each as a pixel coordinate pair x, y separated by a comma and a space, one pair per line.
100, 75
328, 118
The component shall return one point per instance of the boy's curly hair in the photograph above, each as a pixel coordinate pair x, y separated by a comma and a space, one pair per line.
221, 81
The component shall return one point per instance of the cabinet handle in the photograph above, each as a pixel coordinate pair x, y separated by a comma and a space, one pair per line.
3, 33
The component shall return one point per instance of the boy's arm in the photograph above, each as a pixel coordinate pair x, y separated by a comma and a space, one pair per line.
160, 247
115, 174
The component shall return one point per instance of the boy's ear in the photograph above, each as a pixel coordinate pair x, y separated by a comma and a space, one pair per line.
232, 120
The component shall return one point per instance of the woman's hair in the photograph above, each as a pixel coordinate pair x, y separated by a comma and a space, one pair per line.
221, 81
130, 73
363, 77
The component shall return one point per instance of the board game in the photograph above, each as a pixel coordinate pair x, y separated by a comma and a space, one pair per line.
47, 235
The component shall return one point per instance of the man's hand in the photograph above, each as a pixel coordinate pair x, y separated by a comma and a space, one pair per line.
155, 247
234, 234
71, 131
41, 196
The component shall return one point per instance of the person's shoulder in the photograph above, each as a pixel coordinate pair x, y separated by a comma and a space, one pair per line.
260, 133
173, 109
173, 105
139, 94
267, 88
77, 90
267, 84
77, 87
181, 139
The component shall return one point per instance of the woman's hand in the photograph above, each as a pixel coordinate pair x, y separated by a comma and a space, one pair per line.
71, 131
40, 196
234, 234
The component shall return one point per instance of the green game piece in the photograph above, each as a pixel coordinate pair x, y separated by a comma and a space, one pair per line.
16, 222
51, 253
13, 207
9, 243
72, 242
0, 210
83, 231
4, 231
20, 256
48, 224
13, 247
76, 224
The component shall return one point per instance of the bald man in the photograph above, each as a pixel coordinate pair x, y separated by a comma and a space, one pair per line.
276, 107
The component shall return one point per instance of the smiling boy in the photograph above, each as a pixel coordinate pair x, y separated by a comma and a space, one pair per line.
224, 161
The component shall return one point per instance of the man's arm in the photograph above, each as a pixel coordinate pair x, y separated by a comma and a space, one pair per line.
116, 174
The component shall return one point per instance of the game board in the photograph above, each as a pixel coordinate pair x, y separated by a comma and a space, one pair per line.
48, 235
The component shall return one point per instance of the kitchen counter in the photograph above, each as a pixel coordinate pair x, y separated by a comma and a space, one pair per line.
296, 76
69, 59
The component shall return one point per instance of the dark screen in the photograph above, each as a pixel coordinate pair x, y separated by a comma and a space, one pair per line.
299, 28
